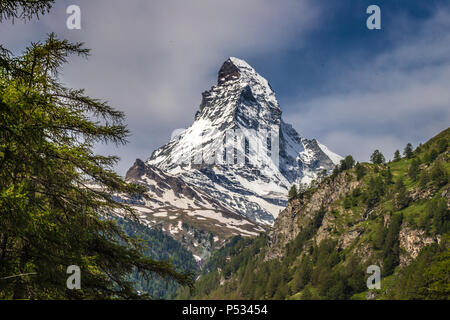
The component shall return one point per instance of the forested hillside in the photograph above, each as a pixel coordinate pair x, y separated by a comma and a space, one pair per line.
394, 215
161, 247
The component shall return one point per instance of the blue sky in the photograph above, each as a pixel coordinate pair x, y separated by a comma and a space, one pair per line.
353, 89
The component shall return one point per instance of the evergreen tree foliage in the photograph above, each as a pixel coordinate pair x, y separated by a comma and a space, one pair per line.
438, 174
377, 189
158, 246
391, 249
302, 274
55, 193
401, 197
347, 163
389, 176
377, 157
433, 155
23, 9
397, 156
408, 151
360, 171
427, 277
414, 169
438, 213
380, 234
442, 145
292, 192
423, 179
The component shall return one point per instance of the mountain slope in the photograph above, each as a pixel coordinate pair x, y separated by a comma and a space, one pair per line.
239, 150
395, 216
185, 212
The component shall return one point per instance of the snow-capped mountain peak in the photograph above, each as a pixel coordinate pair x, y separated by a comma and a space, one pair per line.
239, 150
236, 69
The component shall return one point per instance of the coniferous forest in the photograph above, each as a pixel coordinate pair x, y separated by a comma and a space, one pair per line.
391, 199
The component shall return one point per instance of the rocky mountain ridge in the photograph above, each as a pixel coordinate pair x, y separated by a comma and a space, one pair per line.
229, 173
185, 212
252, 180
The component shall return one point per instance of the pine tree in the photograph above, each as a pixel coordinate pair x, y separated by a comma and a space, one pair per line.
442, 145
426, 158
360, 171
19, 10
347, 202
418, 149
354, 276
424, 178
380, 234
272, 285
56, 195
433, 155
292, 192
408, 152
302, 274
397, 156
377, 157
439, 174
24, 10
441, 215
391, 249
389, 176
347, 163
414, 169
401, 198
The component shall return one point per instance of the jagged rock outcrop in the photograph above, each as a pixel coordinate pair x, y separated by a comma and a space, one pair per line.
162, 181
348, 237
412, 241
300, 212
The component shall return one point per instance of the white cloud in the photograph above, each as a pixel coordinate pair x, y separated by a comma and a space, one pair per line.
401, 96
152, 59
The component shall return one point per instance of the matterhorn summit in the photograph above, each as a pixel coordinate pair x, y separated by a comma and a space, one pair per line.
238, 154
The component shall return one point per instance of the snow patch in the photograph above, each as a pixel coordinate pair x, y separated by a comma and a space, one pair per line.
335, 158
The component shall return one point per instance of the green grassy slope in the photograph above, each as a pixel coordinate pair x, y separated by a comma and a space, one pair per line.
397, 218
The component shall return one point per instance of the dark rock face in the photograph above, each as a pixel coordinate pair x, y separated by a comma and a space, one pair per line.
163, 181
227, 72
137, 170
